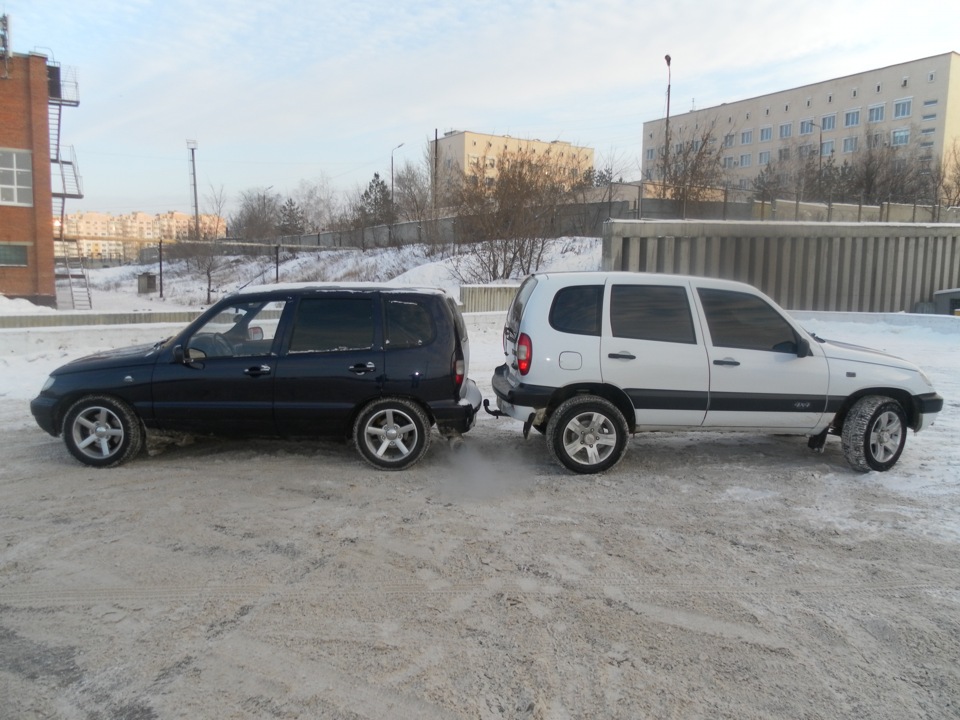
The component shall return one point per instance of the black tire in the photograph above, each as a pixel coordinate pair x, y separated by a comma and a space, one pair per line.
102, 431
392, 434
874, 433
587, 434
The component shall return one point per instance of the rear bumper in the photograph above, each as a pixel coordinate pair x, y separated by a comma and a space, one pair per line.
461, 416
519, 401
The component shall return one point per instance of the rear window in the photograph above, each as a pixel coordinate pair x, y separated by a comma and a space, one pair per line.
651, 312
578, 310
409, 325
515, 313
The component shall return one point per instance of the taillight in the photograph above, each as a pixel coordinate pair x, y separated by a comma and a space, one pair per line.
524, 353
459, 369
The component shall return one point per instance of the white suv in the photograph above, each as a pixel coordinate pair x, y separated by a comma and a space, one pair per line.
593, 356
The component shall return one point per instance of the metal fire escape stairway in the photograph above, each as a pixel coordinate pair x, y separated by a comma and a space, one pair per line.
73, 290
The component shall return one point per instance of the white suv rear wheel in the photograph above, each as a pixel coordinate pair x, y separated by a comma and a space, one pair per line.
587, 434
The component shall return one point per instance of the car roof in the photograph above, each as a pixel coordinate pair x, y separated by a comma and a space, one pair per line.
572, 277
306, 287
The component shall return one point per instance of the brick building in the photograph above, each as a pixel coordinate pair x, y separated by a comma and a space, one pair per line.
32, 96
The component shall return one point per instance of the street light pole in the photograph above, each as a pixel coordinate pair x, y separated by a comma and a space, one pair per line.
391, 174
666, 149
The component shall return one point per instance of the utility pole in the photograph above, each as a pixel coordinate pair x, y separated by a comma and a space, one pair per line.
192, 146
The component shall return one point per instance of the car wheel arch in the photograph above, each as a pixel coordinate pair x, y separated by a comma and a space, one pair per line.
901, 396
611, 393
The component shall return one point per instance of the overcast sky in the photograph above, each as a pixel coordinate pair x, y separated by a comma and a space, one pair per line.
278, 91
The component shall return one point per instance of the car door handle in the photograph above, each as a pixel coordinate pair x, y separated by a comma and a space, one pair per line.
731, 363
257, 371
622, 356
362, 368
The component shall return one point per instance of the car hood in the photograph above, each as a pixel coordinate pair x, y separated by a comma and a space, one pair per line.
121, 357
845, 351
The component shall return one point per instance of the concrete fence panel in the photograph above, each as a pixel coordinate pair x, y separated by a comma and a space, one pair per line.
845, 267
487, 298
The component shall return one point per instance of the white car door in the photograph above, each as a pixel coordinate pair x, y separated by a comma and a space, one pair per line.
757, 378
653, 349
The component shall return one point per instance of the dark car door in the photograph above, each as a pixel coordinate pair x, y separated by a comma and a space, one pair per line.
331, 363
225, 382
419, 341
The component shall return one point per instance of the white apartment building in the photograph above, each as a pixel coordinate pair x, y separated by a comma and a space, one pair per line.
913, 105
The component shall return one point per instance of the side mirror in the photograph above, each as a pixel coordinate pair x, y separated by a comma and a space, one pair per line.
255, 333
178, 354
803, 348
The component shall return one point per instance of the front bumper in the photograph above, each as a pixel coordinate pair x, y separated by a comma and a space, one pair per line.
44, 412
926, 407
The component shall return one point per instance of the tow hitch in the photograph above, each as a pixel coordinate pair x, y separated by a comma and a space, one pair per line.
495, 413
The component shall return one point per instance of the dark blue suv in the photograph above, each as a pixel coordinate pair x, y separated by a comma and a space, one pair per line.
381, 364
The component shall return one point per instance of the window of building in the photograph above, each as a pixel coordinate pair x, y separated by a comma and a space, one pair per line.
786, 108
806, 127
851, 118
650, 152
766, 134
805, 150
875, 140
16, 177
899, 138
853, 93
763, 158
783, 154
929, 103
931, 77
746, 137
928, 131
902, 108
728, 140
11, 254
828, 122
878, 87
830, 98
786, 130
745, 160
826, 147
929, 117
927, 144
875, 113
849, 144
728, 162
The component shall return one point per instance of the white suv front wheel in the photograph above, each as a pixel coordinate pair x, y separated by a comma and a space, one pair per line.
587, 434
874, 433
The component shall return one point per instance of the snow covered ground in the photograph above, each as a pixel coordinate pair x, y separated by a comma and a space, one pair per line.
707, 575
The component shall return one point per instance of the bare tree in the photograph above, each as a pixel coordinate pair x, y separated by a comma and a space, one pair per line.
258, 215
321, 204
690, 168
204, 254
506, 209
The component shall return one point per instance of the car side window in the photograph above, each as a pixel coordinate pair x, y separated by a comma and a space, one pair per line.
409, 324
741, 320
651, 312
578, 310
333, 324
238, 330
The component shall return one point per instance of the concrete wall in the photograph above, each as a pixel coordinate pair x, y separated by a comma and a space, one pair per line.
849, 267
